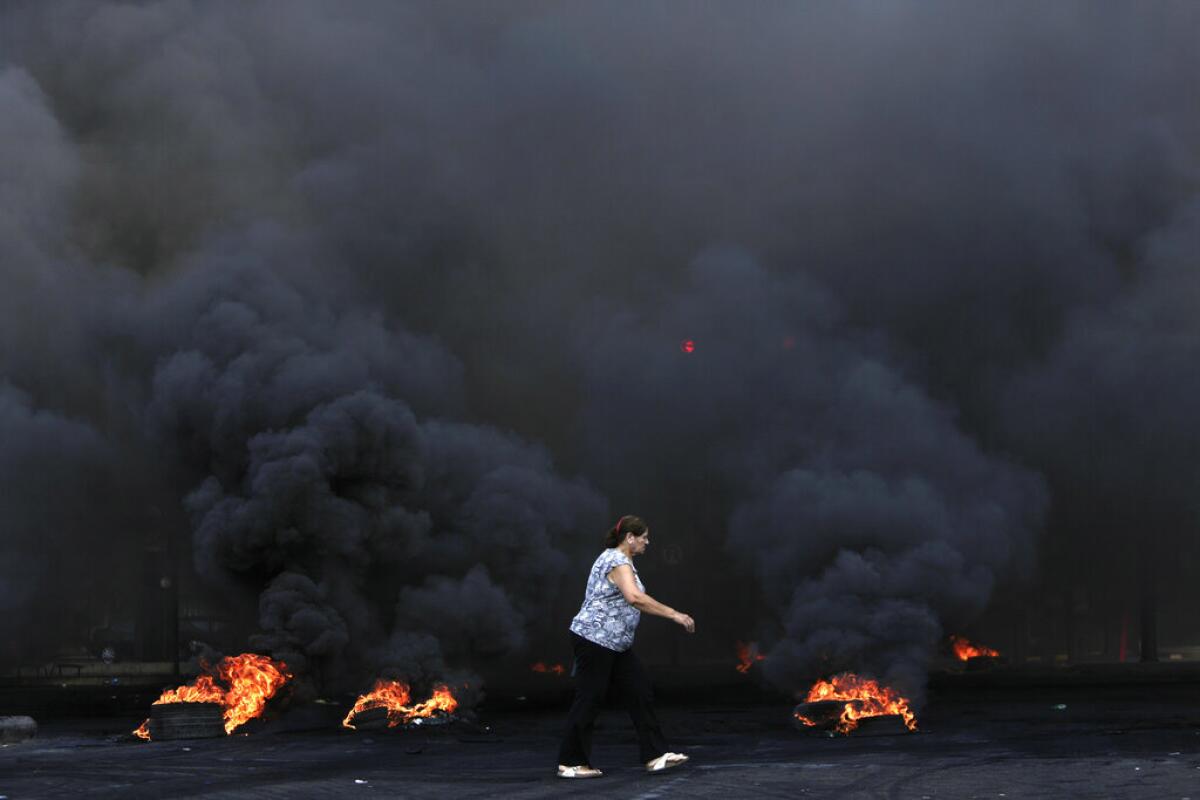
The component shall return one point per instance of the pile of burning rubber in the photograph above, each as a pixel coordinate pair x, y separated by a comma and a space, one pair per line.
843, 701
840, 703
232, 693
389, 701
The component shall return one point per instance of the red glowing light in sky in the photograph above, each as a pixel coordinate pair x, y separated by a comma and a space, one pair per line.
687, 346
789, 342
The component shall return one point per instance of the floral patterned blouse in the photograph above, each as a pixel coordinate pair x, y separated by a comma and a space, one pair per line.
605, 617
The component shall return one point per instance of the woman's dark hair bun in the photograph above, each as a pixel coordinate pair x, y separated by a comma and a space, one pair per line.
626, 524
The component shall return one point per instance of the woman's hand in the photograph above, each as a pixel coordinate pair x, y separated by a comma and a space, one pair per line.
687, 622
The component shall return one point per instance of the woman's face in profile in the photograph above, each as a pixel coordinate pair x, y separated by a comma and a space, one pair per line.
638, 544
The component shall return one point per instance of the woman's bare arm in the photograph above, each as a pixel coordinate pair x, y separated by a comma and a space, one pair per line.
622, 577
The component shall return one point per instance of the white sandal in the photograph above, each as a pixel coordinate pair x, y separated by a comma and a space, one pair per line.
666, 761
580, 771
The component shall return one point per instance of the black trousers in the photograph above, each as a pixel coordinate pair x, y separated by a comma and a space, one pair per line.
596, 668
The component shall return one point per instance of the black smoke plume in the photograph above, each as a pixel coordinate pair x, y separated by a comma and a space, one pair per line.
866, 516
309, 281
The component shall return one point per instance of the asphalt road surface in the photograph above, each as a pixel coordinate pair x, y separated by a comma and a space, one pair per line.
1086, 742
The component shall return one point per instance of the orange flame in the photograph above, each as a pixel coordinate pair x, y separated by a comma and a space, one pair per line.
201, 690
870, 700
442, 700
964, 649
395, 696
557, 669
252, 680
747, 655
391, 695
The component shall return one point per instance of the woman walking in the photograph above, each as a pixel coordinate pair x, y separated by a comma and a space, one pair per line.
602, 634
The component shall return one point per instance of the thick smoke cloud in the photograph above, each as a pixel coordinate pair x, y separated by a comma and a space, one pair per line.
323, 481
308, 267
63, 507
45, 457
284, 422
866, 515
315, 494
1109, 411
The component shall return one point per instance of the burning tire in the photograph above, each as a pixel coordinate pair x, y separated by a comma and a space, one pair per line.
843, 701
821, 715
390, 703
371, 719
187, 721
824, 717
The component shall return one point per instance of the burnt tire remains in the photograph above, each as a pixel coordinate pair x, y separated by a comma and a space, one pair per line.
370, 719
186, 721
